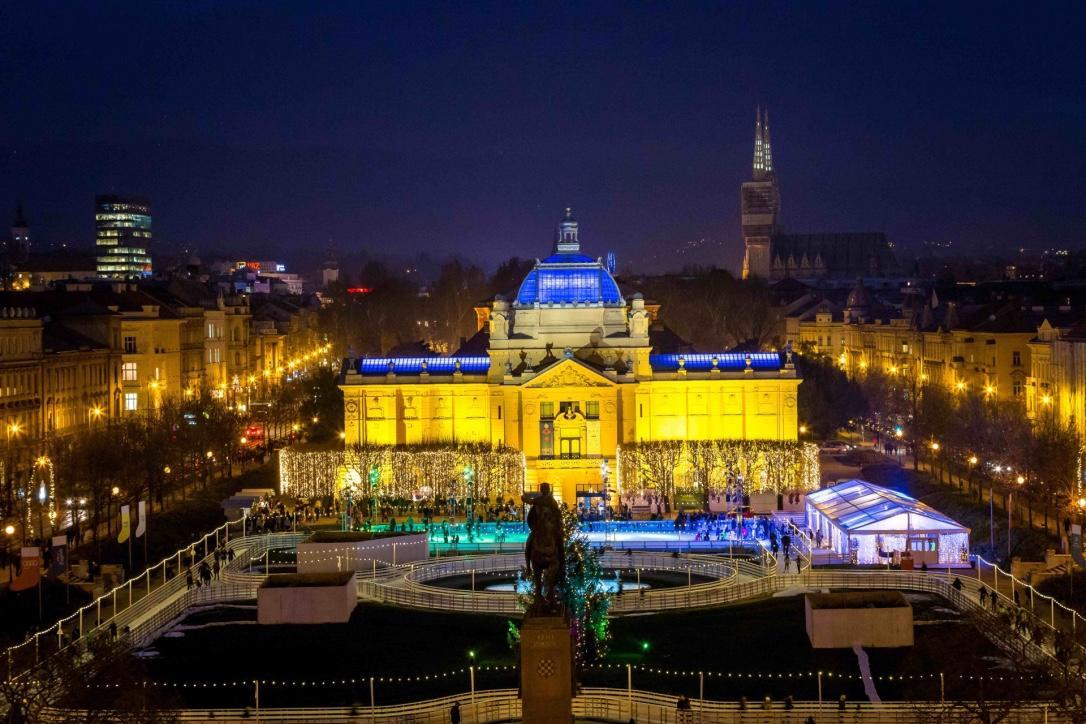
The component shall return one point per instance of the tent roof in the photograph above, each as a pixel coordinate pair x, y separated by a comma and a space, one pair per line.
857, 505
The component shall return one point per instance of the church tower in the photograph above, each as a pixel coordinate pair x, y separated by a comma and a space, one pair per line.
760, 203
19, 243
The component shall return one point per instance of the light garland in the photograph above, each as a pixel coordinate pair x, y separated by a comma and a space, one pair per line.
774, 466
427, 472
364, 679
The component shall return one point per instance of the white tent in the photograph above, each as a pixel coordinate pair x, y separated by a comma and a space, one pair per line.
868, 524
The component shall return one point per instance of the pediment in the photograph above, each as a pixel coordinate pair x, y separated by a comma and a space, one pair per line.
569, 373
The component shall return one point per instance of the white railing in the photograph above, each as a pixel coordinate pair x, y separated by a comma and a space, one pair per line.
607, 704
414, 592
1031, 598
124, 604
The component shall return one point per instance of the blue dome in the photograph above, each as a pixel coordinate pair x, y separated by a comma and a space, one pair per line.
576, 280
567, 276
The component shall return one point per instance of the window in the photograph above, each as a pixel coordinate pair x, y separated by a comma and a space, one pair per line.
546, 439
1016, 358
131, 401
592, 410
1017, 388
571, 448
130, 345
129, 372
546, 411
499, 412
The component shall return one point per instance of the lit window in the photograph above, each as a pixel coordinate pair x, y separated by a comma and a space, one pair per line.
129, 372
131, 401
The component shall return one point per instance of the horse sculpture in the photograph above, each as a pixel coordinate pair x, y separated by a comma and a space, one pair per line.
544, 552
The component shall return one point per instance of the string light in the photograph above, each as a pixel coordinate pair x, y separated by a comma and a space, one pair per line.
432, 471
775, 466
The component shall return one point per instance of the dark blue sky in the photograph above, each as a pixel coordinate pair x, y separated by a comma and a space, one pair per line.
267, 127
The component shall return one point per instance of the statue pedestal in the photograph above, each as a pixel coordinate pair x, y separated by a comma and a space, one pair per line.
546, 670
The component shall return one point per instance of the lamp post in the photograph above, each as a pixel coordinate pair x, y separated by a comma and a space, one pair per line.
935, 458
9, 531
469, 483
972, 461
375, 479
1010, 506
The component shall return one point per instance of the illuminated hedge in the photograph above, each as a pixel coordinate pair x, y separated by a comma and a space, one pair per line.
775, 466
426, 471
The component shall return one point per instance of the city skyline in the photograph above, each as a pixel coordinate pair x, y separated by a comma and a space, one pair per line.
368, 141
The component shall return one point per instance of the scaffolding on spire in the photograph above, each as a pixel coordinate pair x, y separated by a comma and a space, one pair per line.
759, 144
767, 148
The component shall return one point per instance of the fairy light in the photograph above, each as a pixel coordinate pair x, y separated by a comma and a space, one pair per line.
404, 473
766, 466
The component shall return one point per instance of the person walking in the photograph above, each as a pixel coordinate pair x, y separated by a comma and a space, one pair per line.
454, 713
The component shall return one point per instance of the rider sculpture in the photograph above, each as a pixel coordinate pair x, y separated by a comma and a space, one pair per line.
545, 553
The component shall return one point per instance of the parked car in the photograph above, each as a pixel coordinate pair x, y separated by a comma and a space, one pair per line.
835, 447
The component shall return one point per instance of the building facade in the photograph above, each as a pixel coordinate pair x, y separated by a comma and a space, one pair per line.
123, 236
998, 350
569, 377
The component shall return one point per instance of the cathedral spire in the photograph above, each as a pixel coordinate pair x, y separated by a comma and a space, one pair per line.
759, 145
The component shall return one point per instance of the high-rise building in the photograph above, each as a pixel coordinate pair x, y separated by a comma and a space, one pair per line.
772, 254
123, 236
19, 244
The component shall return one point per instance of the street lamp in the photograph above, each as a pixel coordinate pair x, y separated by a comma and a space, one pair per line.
1010, 506
375, 479
469, 483
9, 530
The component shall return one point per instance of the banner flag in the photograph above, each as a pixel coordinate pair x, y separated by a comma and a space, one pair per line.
30, 574
141, 527
126, 524
59, 560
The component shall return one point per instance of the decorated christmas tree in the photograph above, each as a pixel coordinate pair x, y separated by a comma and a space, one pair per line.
583, 594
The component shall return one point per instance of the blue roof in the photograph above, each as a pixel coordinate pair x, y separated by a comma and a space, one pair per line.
476, 365
702, 362
573, 279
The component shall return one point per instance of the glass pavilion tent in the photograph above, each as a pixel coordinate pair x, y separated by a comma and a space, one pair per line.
867, 524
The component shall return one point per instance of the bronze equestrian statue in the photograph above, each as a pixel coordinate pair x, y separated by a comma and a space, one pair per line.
545, 550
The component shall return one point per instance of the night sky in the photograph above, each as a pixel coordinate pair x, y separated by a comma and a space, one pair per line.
271, 128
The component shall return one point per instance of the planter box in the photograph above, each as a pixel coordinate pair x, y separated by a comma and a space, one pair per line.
306, 598
873, 619
350, 551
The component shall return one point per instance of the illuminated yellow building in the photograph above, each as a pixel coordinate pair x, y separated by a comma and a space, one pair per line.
979, 349
569, 376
